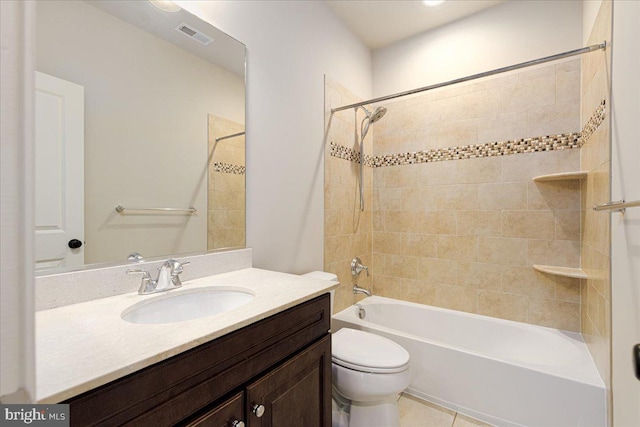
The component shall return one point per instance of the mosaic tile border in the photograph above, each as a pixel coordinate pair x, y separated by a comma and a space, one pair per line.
491, 149
594, 121
229, 168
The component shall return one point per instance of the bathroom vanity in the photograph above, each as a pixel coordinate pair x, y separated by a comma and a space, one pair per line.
267, 363
275, 372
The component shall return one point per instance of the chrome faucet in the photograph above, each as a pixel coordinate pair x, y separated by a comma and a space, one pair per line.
168, 278
358, 290
357, 267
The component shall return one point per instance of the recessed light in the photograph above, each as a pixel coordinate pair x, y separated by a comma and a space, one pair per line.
165, 5
432, 2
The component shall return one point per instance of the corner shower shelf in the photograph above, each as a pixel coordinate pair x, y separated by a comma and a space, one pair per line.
561, 176
576, 273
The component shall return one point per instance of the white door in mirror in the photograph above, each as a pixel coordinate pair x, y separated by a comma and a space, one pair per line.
59, 174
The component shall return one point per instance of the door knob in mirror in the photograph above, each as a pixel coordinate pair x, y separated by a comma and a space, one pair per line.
74, 243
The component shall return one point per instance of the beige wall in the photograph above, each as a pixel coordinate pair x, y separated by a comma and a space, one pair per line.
226, 189
145, 127
596, 246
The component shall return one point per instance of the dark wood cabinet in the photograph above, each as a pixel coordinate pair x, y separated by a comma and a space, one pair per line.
282, 363
227, 414
295, 393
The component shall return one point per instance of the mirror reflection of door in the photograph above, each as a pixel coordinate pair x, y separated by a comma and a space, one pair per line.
59, 174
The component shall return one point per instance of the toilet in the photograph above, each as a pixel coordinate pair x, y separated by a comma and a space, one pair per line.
369, 371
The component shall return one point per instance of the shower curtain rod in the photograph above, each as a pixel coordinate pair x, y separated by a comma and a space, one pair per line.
229, 136
575, 52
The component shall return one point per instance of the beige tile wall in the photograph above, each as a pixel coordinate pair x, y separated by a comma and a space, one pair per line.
226, 191
347, 230
531, 103
596, 243
464, 234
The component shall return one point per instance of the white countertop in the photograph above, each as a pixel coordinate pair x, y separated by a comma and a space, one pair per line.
82, 346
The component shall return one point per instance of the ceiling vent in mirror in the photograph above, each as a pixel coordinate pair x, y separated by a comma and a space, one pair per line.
191, 32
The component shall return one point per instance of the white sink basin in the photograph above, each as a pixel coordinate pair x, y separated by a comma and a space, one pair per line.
178, 306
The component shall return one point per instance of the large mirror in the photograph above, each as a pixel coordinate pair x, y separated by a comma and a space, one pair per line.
140, 117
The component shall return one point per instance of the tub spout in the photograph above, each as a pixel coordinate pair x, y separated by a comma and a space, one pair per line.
358, 290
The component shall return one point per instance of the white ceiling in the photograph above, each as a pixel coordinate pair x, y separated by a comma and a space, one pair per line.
379, 23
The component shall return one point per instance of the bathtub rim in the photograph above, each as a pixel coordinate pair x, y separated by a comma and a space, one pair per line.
343, 316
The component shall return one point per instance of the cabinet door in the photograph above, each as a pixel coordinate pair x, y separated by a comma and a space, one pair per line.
297, 393
223, 415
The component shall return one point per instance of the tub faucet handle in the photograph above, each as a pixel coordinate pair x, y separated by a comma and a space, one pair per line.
357, 267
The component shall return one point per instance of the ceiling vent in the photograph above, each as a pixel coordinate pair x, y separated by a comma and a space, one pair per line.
196, 35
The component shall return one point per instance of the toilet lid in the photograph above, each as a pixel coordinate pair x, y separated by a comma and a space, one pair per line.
367, 352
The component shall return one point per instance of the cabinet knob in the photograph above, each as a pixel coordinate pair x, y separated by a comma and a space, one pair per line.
237, 423
258, 410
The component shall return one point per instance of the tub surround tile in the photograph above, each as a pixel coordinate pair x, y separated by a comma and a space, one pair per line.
479, 223
401, 266
502, 251
595, 247
529, 224
564, 253
499, 196
439, 222
567, 225
457, 197
461, 248
454, 201
567, 289
419, 199
529, 282
479, 276
436, 270
532, 90
555, 314
458, 298
476, 171
503, 305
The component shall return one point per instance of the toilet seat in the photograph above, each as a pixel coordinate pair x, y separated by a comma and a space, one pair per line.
366, 352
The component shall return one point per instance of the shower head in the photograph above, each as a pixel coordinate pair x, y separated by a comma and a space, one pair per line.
378, 114
371, 118
364, 128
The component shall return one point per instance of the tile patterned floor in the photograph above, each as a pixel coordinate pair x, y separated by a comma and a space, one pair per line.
416, 412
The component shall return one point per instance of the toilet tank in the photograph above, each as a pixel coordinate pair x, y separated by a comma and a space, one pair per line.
323, 275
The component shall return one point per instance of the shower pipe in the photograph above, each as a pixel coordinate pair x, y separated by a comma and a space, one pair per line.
229, 136
568, 54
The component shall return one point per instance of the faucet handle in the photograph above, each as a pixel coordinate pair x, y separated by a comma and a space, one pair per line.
175, 266
357, 267
145, 273
147, 285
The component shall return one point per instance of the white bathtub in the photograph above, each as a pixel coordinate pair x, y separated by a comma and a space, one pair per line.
502, 372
